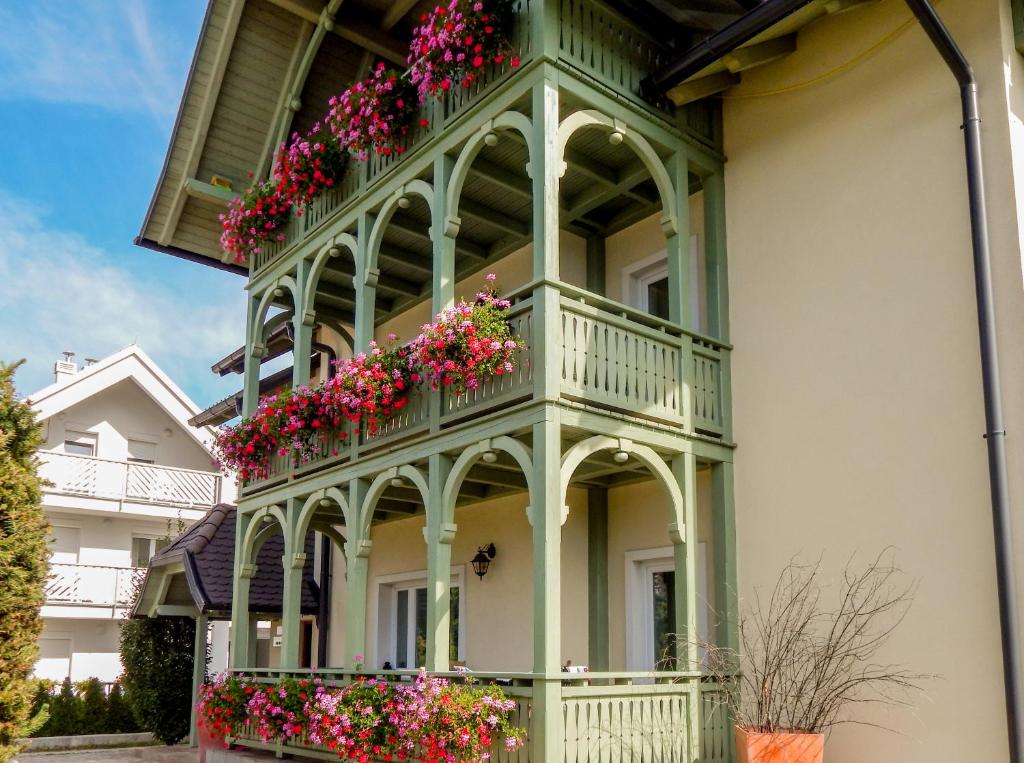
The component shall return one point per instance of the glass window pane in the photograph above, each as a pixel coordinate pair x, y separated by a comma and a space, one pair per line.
402, 631
142, 549
421, 627
664, 593
453, 640
657, 298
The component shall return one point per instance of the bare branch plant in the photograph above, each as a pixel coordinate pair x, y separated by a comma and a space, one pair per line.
804, 662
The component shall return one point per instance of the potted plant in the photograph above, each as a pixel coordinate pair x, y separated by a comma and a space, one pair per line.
805, 662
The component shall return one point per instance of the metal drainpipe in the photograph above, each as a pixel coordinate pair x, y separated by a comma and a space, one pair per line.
995, 434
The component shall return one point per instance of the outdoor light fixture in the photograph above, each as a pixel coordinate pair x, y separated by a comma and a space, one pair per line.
620, 457
482, 561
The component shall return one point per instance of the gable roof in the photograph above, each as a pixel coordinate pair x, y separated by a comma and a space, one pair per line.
133, 364
205, 555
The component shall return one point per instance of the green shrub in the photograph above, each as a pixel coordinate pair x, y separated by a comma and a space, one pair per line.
65, 713
119, 713
94, 707
157, 654
23, 564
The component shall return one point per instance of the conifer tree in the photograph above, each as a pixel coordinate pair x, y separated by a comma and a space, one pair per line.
24, 561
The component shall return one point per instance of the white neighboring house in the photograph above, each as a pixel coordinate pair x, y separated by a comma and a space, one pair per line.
126, 469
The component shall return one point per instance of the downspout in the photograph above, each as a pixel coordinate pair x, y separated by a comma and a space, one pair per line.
762, 18
995, 434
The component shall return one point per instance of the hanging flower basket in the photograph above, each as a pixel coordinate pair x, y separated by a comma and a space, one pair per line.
468, 343
247, 447
455, 42
309, 165
373, 115
373, 386
255, 218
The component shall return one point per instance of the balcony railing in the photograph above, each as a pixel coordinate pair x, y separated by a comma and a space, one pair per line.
605, 717
93, 585
602, 44
610, 357
129, 481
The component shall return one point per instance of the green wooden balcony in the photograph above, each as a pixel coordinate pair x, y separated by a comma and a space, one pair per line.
610, 358
592, 41
663, 716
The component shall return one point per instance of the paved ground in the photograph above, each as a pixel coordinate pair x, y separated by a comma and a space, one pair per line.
156, 754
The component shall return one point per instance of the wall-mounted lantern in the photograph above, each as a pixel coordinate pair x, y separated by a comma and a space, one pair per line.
482, 561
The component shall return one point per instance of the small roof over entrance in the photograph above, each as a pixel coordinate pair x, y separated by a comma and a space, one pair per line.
194, 573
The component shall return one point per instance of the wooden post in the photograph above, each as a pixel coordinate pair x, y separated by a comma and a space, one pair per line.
198, 674
357, 553
684, 467
302, 328
597, 578
439, 536
239, 654
724, 531
546, 518
293, 562
678, 245
254, 351
365, 283
714, 255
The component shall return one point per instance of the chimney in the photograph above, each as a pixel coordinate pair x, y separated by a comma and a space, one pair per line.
65, 368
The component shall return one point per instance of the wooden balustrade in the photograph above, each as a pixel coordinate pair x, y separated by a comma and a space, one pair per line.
604, 716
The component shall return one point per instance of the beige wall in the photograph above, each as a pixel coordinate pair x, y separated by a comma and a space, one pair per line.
856, 388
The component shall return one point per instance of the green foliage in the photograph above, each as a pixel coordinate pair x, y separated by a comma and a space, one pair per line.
83, 709
119, 713
23, 564
157, 654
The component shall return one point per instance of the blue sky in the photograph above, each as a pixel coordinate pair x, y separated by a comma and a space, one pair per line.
88, 94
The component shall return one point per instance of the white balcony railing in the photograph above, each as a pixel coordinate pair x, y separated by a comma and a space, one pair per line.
91, 584
124, 480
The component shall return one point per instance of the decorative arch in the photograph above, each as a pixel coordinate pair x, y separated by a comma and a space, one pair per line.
308, 510
325, 255
582, 450
485, 136
522, 455
256, 534
380, 484
620, 133
398, 200
284, 282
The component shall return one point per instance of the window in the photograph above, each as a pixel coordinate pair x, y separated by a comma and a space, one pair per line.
410, 636
143, 549
651, 605
141, 452
64, 545
80, 443
645, 285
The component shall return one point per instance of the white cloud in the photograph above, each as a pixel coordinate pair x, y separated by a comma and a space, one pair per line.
58, 292
91, 52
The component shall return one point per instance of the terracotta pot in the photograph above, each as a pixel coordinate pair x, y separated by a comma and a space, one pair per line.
782, 747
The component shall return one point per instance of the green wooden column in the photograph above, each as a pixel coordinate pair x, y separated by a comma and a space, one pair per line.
357, 555
243, 572
714, 255
443, 278
254, 353
684, 545
198, 673
292, 562
546, 518
545, 169
680, 309
439, 537
726, 596
597, 578
302, 327
365, 283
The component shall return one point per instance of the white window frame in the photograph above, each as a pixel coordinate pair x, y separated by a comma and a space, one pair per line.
638, 275
153, 550
71, 431
385, 595
141, 438
67, 525
639, 608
